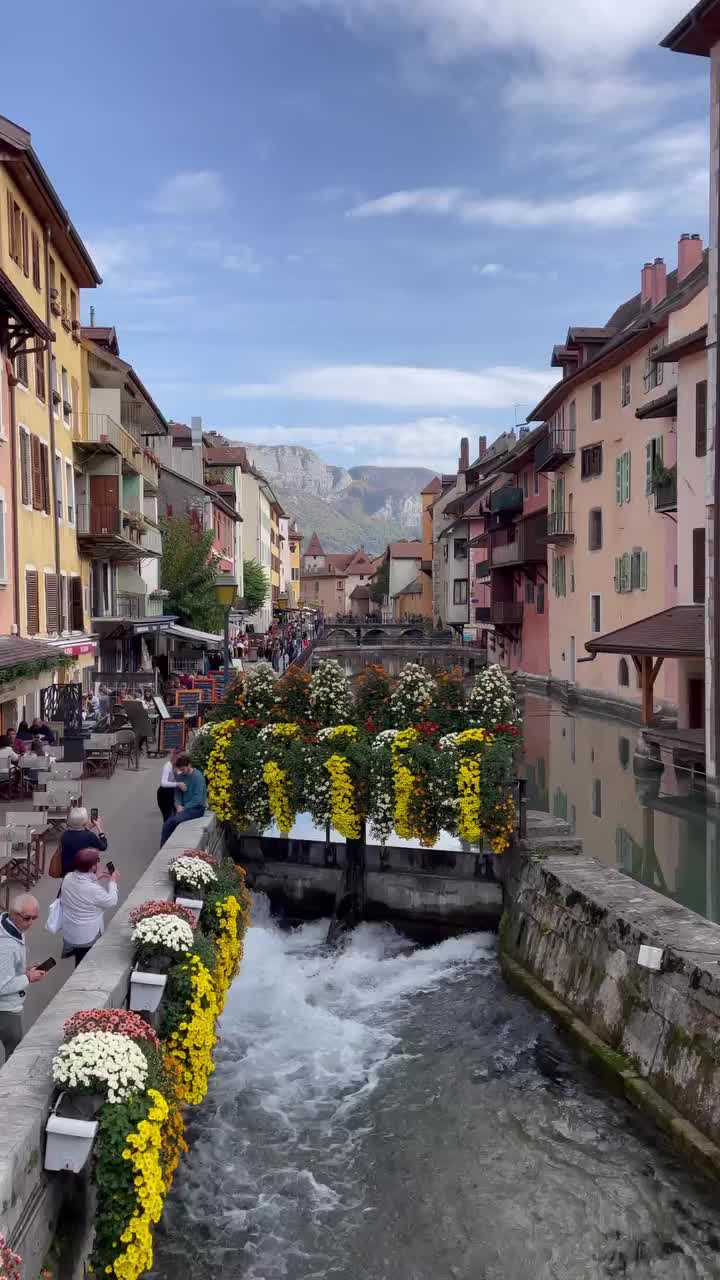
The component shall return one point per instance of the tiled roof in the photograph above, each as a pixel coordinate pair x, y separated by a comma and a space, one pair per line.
14, 650
314, 547
414, 588
225, 456
675, 633
339, 561
360, 593
407, 550
434, 486
360, 562
103, 335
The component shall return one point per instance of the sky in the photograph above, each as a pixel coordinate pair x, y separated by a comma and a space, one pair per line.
361, 225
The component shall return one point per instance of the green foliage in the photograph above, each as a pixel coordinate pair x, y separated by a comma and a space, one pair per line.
228, 882
380, 583
188, 573
447, 709
293, 696
30, 670
372, 697
115, 1177
178, 988
256, 584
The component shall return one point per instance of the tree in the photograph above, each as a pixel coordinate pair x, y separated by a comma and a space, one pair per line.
188, 573
380, 583
257, 585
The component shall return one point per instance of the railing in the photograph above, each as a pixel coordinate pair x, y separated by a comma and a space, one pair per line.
508, 499
555, 448
666, 493
507, 613
504, 552
101, 429
483, 613
151, 540
98, 520
131, 606
559, 525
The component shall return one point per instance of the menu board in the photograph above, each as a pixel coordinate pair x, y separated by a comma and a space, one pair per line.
205, 686
161, 707
172, 734
189, 700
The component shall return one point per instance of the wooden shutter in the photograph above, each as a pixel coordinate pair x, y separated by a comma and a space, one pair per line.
626, 475
618, 573
37, 492
25, 244
51, 603
75, 398
648, 466
36, 261
698, 547
77, 617
12, 251
700, 419
45, 477
25, 469
31, 601
643, 570
626, 572
40, 375
619, 480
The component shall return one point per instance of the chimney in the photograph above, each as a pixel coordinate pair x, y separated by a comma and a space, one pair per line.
196, 431
482, 446
197, 470
646, 283
659, 288
690, 254
92, 317
464, 462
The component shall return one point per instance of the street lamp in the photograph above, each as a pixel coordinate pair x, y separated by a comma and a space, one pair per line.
226, 591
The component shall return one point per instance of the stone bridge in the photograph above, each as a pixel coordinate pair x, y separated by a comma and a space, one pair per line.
374, 633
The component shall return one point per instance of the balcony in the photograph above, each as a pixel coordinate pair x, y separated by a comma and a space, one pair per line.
507, 501
482, 613
665, 490
555, 450
504, 552
108, 533
526, 547
99, 433
560, 527
482, 569
506, 613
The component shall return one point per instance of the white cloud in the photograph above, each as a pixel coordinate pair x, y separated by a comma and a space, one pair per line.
242, 259
429, 442
455, 29
591, 96
489, 269
400, 386
196, 191
596, 209
125, 263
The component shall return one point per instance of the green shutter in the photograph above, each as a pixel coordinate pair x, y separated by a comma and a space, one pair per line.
626, 571
648, 467
619, 479
618, 573
643, 570
627, 485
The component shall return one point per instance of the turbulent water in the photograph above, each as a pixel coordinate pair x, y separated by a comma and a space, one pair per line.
389, 1113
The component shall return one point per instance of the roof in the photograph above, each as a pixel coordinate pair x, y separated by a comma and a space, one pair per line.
414, 588
524, 449
689, 345
434, 486
408, 550
13, 303
204, 488
360, 562
16, 144
636, 325
675, 633
664, 406
15, 650
195, 637
228, 456
339, 560
698, 31
314, 547
360, 593
103, 336
121, 366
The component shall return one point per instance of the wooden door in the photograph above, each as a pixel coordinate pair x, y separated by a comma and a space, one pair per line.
696, 702
104, 504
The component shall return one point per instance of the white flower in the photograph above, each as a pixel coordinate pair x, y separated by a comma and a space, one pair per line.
192, 871
170, 932
101, 1060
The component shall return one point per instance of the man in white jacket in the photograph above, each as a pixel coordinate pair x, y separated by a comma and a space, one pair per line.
14, 974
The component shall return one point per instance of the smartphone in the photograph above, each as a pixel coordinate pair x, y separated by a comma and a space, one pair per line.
94, 815
110, 866
47, 965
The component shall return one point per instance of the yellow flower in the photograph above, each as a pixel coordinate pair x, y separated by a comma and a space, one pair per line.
217, 772
343, 809
468, 778
275, 780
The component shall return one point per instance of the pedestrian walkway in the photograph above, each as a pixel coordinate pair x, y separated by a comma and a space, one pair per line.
128, 807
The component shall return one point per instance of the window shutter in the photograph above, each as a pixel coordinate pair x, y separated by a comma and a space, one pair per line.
626, 478
77, 613
37, 496
12, 251
25, 469
51, 603
635, 570
3, 568
626, 571
45, 477
75, 397
648, 467
643, 570
698, 549
40, 374
36, 260
618, 573
700, 419
31, 601
619, 479
24, 235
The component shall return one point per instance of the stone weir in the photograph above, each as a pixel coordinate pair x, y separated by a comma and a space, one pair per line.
634, 979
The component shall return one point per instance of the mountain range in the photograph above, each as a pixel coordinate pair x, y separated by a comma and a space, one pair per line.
359, 506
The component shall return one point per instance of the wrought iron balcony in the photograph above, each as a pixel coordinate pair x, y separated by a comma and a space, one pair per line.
507, 613
560, 527
557, 448
507, 501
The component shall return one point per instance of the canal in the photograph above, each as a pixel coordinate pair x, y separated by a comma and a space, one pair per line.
658, 830
383, 1112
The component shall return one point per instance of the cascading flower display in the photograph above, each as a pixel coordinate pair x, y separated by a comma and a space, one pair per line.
193, 1042
404, 782
217, 772
101, 1062
276, 781
144, 1151
343, 810
191, 873
330, 698
162, 935
413, 695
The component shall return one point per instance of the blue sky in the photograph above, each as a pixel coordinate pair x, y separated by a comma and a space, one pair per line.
360, 225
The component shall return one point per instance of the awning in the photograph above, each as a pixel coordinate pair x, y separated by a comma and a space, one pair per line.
15, 650
195, 637
675, 633
664, 407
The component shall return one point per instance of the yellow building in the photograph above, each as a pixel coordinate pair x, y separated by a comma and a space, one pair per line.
295, 539
46, 261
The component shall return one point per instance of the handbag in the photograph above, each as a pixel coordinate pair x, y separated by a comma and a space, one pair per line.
55, 917
55, 867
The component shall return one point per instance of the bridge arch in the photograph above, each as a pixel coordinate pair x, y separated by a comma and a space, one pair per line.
412, 633
339, 631
374, 634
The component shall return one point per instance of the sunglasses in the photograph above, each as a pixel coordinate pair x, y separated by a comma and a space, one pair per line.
24, 916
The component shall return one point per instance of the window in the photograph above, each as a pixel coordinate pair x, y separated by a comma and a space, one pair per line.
654, 369
572, 577
77, 616
73, 307
64, 301
67, 406
526, 484
698, 555
52, 276
63, 603
536, 483
625, 392
595, 615
3, 566
32, 603
653, 462
481, 569
40, 475
74, 399
591, 461
52, 618
623, 485
631, 571
70, 492
529, 591
25, 243
460, 591
624, 752
460, 548
572, 419
59, 504
595, 532
558, 578
540, 605
623, 673
700, 419
13, 218
54, 383
597, 798
596, 401
22, 373
36, 260
40, 375
25, 468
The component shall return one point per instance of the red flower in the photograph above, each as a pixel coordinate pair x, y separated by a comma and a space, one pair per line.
118, 1020
427, 728
369, 724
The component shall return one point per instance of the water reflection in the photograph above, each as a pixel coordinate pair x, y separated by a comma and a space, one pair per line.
580, 768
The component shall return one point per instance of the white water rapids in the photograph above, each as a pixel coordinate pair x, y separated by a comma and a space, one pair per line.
390, 1113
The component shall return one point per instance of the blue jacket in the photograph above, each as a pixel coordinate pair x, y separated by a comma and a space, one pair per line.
195, 793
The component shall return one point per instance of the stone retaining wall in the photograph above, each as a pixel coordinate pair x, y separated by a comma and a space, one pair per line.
570, 937
31, 1201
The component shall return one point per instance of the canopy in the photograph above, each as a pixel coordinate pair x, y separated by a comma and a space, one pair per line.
195, 637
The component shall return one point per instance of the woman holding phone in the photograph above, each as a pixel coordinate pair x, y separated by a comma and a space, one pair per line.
85, 897
81, 833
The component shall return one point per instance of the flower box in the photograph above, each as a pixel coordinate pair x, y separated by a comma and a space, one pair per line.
193, 904
69, 1137
146, 990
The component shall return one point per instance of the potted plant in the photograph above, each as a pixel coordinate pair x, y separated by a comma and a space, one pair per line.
159, 940
191, 877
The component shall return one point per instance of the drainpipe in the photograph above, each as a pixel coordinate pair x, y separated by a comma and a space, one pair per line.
14, 495
51, 414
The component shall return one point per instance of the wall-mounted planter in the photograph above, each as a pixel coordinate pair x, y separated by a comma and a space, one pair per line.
193, 904
146, 990
69, 1138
